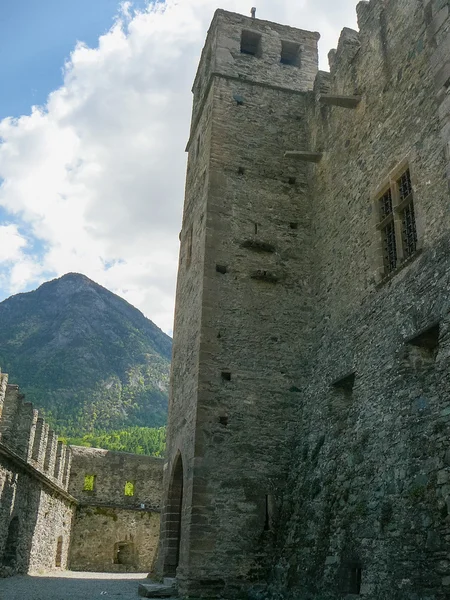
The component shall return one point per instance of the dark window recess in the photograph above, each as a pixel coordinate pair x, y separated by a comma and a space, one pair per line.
292, 180
352, 579
293, 225
345, 383
258, 246
428, 339
223, 421
251, 43
241, 171
226, 375
221, 269
389, 248
290, 54
256, 228
265, 276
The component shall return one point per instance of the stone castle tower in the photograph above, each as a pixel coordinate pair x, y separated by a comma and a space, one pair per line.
244, 271
309, 416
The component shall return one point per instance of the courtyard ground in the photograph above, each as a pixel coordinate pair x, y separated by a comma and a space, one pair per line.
69, 585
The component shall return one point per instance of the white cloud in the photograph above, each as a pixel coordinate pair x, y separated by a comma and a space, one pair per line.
97, 174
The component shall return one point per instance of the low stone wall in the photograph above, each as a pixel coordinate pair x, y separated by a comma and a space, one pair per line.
111, 539
35, 520
116, 525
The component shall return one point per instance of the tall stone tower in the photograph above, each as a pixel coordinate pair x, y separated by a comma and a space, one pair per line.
243, 304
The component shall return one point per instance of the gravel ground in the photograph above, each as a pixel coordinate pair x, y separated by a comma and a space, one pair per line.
72, 586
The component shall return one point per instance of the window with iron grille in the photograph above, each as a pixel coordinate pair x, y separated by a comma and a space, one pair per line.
397, 222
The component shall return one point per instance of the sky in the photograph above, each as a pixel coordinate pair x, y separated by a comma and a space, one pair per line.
95, 107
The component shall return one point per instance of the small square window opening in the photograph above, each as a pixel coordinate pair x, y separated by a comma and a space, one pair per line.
290, 54
251, 43
129, 488
89, 483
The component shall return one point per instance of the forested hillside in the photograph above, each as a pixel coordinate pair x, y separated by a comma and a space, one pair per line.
91, 362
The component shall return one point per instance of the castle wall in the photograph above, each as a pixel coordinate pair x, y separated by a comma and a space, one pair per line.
36, 511
239, 331
369, 493
113, 531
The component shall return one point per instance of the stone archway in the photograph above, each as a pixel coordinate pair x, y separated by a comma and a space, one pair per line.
173, 519
12, 539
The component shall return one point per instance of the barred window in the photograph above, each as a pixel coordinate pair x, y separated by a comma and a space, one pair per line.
397, 222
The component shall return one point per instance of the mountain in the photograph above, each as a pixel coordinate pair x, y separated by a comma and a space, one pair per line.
88, 358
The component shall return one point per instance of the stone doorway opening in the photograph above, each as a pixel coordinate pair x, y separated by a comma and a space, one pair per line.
124, 554
173, 519
10, 551
59, 548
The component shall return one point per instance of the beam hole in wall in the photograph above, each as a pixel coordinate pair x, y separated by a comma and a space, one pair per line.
428, 338
268, 516
124, 554
293, 225
343, 391
221, 269
421, 350
59, 549
290, 54
251, 43
241, 171
223, 420
258, 246
292, 180
226, 375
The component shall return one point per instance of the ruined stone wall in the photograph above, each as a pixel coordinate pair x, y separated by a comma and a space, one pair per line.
369, 494
114, 531
36, 510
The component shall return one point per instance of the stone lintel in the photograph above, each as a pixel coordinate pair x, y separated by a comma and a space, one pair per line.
304, 156
342, 101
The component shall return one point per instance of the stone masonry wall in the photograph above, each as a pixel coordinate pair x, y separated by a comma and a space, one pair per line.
243, 307
369, 493
36, 511
114, 531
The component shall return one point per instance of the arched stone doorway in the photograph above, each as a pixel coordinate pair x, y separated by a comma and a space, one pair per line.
10, 550
173, 519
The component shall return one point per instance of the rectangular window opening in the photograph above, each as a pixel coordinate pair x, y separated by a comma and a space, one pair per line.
293, 225
129, 488
89, 483
223, 420
251, 43
397, 222
221, 269
290, 54
345, 383
226, 375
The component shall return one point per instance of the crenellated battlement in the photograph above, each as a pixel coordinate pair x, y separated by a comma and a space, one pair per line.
28, 436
